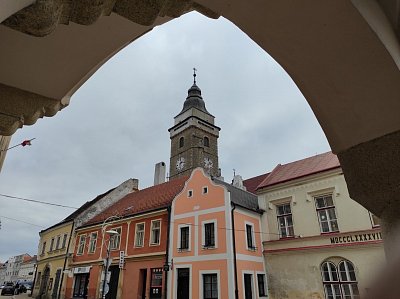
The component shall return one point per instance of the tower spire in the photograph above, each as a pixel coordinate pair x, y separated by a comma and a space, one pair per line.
194, 75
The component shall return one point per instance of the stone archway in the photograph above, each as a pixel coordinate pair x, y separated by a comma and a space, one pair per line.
343, 55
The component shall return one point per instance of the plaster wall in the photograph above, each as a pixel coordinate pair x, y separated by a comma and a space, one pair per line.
54, 264
26, 271
197, 269
132, 281
300, 194
3, 270
297, 274
123, 189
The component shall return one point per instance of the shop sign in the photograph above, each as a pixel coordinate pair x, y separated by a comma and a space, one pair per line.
354, 238
79, 270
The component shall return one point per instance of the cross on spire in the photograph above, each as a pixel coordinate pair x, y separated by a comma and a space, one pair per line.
194, 75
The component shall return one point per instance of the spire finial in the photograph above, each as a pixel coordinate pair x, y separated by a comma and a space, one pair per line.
194, 75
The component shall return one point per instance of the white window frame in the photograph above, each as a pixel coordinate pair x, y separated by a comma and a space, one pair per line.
204, 190
182, 266
315, 196
190, 193
136, 234
278, 216
265, 284
203, 233
91, 242
58, 241
78, 251
64, 244
253, 237
339, 282
116, 236
371, 217
43, 248
252, 283
179, 238
151, 243
51, 248
201, 282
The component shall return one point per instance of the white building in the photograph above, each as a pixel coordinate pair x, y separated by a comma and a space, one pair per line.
14, 265
318, 242
27, 269
3, 270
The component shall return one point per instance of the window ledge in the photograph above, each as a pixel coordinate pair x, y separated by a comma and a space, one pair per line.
154, 244
252, 249
183, 249
330, 233
208, 247
287, 238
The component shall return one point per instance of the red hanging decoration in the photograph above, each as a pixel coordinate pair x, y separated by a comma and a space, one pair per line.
26, 142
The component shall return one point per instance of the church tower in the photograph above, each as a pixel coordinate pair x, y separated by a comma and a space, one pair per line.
194, 137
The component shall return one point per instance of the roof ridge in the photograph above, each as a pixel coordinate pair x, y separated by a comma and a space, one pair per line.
265, 181
300, 168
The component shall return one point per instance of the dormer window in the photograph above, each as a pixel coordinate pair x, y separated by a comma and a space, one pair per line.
181, 142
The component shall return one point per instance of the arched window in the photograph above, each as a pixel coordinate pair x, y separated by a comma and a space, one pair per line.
348, 280
330, 280
181, 142
342, 286
206, 142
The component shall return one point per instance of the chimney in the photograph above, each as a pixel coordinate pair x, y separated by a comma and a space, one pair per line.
159, 173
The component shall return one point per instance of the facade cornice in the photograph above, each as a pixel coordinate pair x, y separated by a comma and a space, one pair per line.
317, 181
123, 220
55, 227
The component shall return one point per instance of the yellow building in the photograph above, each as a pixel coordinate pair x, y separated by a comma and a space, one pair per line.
318, 242
57, 242
52, 259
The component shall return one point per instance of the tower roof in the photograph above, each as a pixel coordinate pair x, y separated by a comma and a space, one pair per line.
194, 100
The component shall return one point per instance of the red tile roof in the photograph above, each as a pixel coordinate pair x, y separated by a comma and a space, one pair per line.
252, 183
301, 168
152, 198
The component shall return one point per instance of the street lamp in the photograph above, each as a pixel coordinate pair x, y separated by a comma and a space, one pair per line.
107, 264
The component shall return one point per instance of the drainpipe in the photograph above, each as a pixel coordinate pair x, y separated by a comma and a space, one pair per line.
167, 253
65, 260
234, 251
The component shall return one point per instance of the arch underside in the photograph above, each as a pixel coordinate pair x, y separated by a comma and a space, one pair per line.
343, 56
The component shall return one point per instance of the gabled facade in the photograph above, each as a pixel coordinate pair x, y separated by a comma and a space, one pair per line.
57, 242
318, 242
141, 220
215, 242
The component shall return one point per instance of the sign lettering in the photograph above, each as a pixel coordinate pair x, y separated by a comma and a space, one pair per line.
356, 238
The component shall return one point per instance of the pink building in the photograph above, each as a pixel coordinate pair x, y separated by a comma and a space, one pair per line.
215, 243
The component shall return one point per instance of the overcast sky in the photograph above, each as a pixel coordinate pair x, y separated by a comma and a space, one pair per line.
115, 127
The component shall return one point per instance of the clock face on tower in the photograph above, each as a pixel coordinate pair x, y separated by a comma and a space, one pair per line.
208, 164
180, 163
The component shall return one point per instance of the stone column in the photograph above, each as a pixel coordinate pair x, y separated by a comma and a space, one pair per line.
372, 173
4, 143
